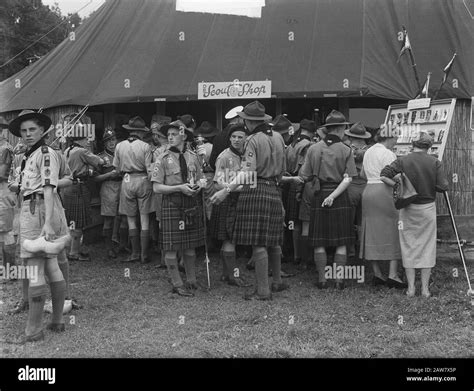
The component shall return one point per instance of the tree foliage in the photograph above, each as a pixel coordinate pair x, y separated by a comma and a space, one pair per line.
22, 23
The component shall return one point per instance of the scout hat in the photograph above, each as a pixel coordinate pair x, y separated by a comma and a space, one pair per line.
3, 123
308, 125
136, 124
254, 111
108, 134
358, 131
25, 115
188, 121
232, 113
282, 125
423, 141
177, 125
335, 118
160, 119
206, 129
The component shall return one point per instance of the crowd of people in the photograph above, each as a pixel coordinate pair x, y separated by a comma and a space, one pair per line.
326, 192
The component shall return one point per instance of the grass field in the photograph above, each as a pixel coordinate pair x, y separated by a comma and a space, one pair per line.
137, 316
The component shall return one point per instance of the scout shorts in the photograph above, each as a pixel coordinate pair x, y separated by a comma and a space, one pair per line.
136, 195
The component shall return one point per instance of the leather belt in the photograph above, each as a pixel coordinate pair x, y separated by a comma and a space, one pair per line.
33, 196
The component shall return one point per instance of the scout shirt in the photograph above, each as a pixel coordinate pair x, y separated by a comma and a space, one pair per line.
166, 170
295, 155
329, 160
228, 165
42, 168
155, 154
108, 160
132, 156
6, 160
80, 159
358, 159
265, 153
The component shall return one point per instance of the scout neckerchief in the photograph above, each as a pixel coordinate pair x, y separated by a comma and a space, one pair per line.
132, 138
331, 139
264, 128
182, 162
236, 151
27, 154
299, 138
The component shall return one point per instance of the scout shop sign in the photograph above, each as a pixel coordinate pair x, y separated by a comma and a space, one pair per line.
235, 90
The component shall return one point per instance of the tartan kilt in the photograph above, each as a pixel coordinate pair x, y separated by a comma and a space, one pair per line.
289, 202
76, 200
260, 218
223, 217
331, 226
172, 217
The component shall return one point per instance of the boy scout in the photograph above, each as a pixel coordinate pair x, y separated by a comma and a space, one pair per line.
41, 215
176, 175
223, 216
132, 159
77, 197
260, 219
109, 190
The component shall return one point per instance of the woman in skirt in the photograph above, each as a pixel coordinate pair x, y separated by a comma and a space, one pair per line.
331, 225
418, 220
379, 229
223, 215
177, 174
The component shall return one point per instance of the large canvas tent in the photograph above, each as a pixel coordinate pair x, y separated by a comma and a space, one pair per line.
144, 50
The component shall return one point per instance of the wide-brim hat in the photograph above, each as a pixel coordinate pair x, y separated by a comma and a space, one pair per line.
206, 129
136, 124
232, 113
358, 131
254, 111
282, 125
335, 118
3, 123
25, 115
178, 124
109, 133
308, 125
188, 121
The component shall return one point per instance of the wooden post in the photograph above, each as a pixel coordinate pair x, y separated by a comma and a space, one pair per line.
219, 114
343, 104
278, 107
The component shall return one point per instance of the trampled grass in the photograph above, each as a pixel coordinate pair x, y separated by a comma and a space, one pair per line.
137, 316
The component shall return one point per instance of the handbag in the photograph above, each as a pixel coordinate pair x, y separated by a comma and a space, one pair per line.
404, 193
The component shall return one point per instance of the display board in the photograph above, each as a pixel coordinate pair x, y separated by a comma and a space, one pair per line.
435, 119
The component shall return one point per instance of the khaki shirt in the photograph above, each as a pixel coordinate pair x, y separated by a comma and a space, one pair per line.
80, 159
166, 170
108, 160
329, 162
265, 154
42, 168
6, 160
295, 155
132, 156
228, 165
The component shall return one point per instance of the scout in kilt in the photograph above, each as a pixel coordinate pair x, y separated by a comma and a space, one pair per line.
295, 155
223, 216
332, 162
260, 215
41, 219
111, 182
132, 159
77, 198
176, 175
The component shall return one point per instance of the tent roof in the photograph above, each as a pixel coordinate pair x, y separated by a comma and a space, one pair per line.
348, 48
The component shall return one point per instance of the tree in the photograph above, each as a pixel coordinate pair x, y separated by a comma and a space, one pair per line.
22, 23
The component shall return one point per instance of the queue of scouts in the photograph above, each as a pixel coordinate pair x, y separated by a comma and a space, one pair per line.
326, 188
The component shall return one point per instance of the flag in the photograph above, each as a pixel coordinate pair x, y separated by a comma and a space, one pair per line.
406, 44
447, 69
425, 88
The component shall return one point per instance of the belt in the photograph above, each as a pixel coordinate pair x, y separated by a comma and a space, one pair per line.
33, 196
135, 172
79, 179
371, 181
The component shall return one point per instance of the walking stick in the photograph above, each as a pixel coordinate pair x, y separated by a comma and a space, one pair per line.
470, 292
205, 239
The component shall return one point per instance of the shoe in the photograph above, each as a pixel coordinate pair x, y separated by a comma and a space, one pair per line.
145, 260
48, 306
130, 259
56, 327
250, 265
161, 266
279, 287
35, 337
83, 257
41, 245
255, 296
377, 281
73, 257
395, 284
340, 285
111, 254
322, 285
410, 293
21, 306
286, 275
237, 281
182, 291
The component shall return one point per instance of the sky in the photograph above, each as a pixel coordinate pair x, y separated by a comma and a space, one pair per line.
71, 6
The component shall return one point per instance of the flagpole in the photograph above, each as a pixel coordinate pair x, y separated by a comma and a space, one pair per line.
413, 64
445, 76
